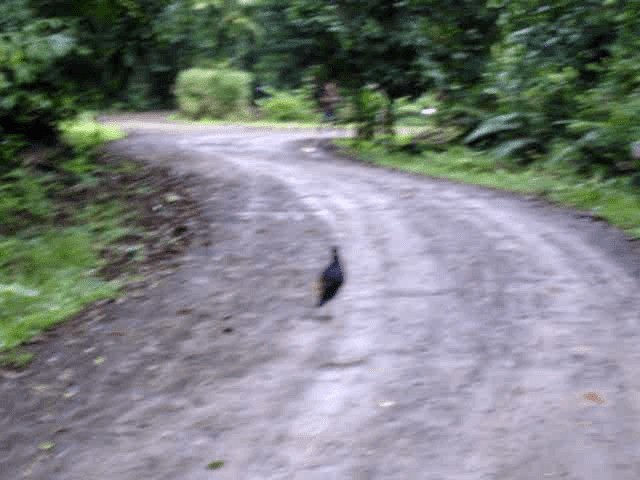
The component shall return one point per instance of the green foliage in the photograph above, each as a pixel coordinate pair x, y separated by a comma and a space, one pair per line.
297, 36
495, 125
44, 280
33, 92
213, 93
84, 134
510, 148
215, 465
128, 53
23, 199
369, 107
46, 277
123, 61
454, 41
401, 47
605, 136
48, 271
25, 193
288, 106
570, 71
198, 31
106, 221
15, 359
408, 112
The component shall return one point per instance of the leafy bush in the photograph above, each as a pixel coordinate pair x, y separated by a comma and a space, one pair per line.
604, 135
288, 106
493, 126
213, 93
562, 81
368, 110
85, 134
10, 147
34, 94
409, 112
23, 199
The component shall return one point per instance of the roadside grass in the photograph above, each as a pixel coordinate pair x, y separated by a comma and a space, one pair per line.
45, 279
613, 200
84, 133
15, 359
49, 268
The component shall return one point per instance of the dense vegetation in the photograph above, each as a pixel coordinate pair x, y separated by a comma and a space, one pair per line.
533, 79
555, 85
58, 226
213, 93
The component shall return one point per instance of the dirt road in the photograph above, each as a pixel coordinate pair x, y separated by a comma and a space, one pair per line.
479, 335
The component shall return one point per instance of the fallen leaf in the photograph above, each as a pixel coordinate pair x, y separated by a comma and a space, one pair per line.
594, 397
66, 376
46, 446
98, 361
71, 392
581, 350
215, 465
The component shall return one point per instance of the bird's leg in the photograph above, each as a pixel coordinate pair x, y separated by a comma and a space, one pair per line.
317, 290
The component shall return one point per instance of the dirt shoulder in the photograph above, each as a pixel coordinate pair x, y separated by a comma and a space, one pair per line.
479, 335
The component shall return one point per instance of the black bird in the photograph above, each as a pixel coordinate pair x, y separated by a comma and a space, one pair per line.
331, 280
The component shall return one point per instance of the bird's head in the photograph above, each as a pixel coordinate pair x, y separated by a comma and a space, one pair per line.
334, 251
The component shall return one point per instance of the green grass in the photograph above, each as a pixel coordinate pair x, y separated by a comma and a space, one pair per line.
84, 133
45, 279
106, 221
49, 271
15, 359
289, 106
613, 200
